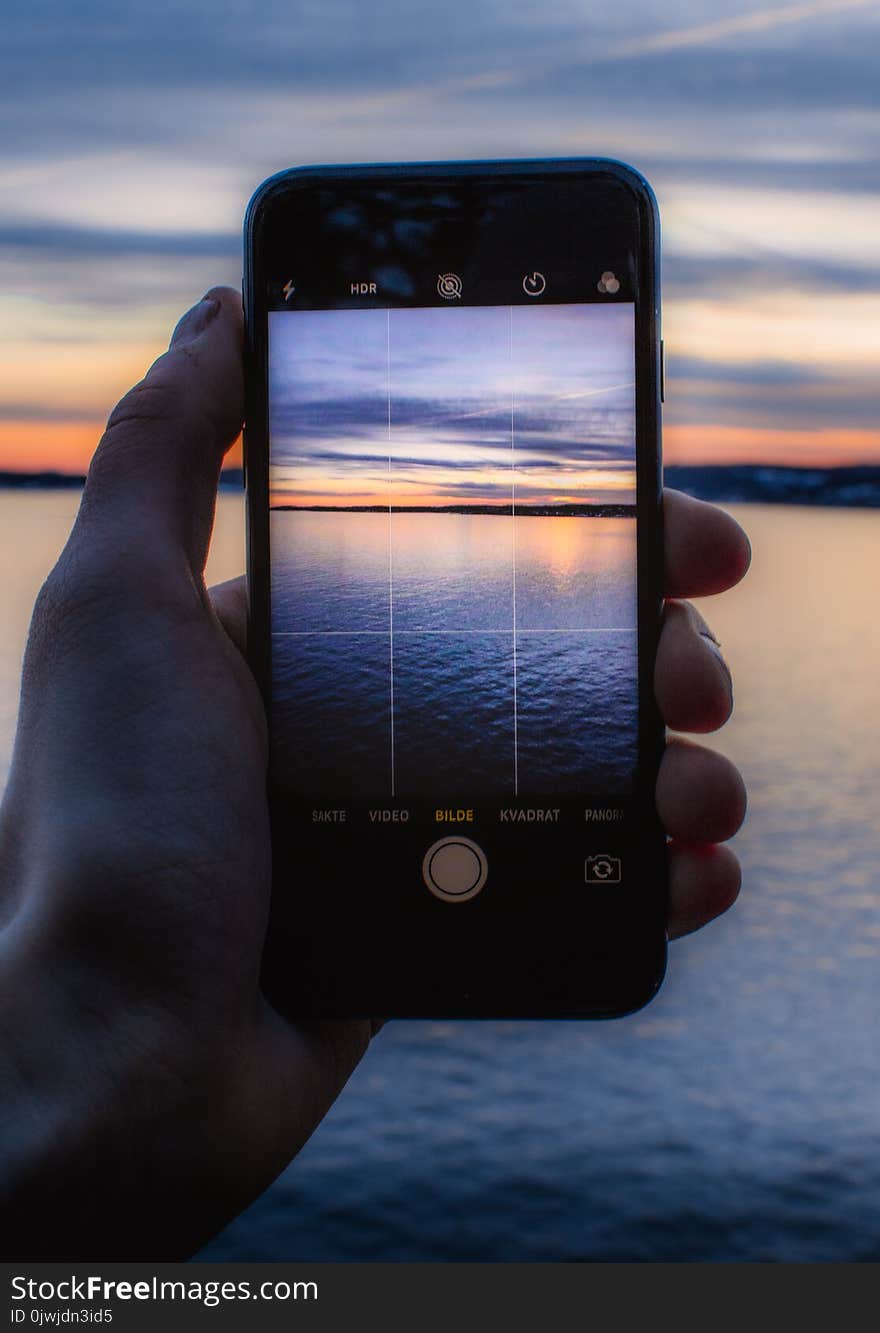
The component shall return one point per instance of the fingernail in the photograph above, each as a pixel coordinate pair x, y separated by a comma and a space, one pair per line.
715, 648
702, 628
195, 321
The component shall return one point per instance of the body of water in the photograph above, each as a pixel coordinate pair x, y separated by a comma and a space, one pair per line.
736, 1118
453, 656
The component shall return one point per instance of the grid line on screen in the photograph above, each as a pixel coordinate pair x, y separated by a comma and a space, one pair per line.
430, 633
513, 539
390, 542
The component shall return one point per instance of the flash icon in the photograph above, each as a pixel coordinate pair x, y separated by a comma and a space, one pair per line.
288, 289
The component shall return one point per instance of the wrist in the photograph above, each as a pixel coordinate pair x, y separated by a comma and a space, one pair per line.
47, 1110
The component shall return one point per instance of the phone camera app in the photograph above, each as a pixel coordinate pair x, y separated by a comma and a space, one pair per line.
601, 869
453, 527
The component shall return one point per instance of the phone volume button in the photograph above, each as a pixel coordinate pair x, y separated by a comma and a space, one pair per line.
662, 371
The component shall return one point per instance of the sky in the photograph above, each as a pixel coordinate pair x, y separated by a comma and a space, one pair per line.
134, 136
453, 405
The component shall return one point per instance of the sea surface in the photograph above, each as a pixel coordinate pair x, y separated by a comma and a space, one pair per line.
737, 1117
453, 655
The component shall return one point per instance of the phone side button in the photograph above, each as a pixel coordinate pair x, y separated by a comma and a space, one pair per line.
455, 869
662, 371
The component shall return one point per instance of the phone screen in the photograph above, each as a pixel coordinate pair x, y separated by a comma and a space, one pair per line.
455, 590
453, 554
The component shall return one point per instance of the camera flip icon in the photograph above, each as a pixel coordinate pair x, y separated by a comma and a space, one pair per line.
602, 869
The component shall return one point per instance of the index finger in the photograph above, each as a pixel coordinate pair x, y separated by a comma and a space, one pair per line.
706, 550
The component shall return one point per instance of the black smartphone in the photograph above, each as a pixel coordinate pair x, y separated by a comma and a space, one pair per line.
455, 575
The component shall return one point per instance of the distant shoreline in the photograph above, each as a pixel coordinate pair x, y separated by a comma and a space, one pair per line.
231, 479
741, 483
41, 481
502, 511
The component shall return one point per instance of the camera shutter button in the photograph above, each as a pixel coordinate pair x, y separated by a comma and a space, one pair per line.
455, 869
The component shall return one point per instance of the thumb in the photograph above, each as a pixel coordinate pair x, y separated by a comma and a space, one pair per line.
153, 478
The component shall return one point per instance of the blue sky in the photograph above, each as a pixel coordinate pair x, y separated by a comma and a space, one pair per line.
134, 137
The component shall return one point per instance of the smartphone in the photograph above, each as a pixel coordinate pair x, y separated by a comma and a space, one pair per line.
453, 479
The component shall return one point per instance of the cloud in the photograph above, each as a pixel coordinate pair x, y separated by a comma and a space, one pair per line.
771, 394
734, 26
294, 79
806, 407
546, 423
689, 276
753, 373
136, 134
49, 412
72, 241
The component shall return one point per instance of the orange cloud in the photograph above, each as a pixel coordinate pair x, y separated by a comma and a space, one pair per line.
48, 446
707, 444
59, 446
62, 446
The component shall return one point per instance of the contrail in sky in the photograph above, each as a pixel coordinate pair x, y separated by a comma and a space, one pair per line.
679, 39
760, 20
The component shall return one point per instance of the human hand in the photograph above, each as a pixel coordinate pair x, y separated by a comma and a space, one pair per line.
151, 1091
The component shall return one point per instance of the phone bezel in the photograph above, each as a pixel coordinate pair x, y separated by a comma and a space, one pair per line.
279, 192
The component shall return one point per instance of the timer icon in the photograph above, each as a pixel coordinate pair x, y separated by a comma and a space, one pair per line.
534, 284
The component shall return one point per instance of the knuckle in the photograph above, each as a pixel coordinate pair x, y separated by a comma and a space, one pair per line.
153, 411
158, 398
169, 408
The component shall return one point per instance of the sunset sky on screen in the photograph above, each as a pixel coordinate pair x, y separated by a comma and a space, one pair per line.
453, 405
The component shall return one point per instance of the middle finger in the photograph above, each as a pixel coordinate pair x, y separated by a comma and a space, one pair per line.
692, 683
